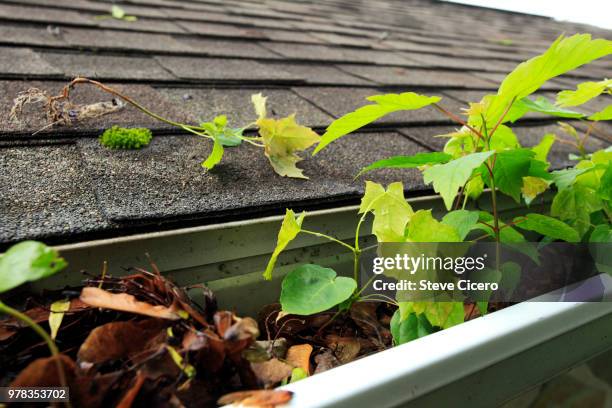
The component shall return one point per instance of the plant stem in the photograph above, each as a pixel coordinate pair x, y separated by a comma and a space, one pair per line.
457, 119
501, 118
356, 255
81, 80
43, 334
317, 234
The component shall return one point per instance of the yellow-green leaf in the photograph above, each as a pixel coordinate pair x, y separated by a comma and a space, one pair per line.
441, 314
186, 368
290, 228
384, 104
390, 208
259, 103
282, 138
423, 227
57, 315
532, 187
584, 92
215, 155
541, 149
564, 55
605, 114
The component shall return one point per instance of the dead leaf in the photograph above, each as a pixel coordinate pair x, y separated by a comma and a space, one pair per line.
271, 372
344, 348
325, 361
42, 372
56, 315
364, 315
299, 356
126, 303
244, 329
117, 340
257, 398
263, 350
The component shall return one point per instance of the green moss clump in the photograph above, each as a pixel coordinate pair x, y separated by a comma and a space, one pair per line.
125, 138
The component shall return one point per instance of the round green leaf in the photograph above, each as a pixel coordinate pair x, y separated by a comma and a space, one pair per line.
28, 261
310, 289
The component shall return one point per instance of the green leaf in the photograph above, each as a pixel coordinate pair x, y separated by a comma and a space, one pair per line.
384, 104
282, 139
504, 138
483, 307
575, 205
259, 103
600, 253
567, 177
601, 233
542, 105
311, 289
441, 314
447, 178
510, 168
605, 114
290, 228
541, 149
58, 309
390, 208
215, 155
424, 228
117, 12
532, 187
298, 374
28, 261
410, 328
584, 92
218, 129
510, 277
463, 221
547, 226
408, 162
564, 55
474, 187
605, 188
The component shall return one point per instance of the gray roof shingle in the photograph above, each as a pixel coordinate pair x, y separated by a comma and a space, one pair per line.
190, 60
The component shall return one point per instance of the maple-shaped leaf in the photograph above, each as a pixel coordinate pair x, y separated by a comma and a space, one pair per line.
390, 208
282, 139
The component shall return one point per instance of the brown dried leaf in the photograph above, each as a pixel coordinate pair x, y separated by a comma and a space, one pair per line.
299, 356
117, 340
325, 361
126, 303
257, 398
42, 372
271, 372
364, 315
345, 348
244, 329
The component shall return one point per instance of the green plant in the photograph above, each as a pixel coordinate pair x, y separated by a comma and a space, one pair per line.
117, 13
125, 138
484, 152
30, 261
281, 139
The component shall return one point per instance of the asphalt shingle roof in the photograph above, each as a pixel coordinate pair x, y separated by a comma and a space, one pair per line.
191, 60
